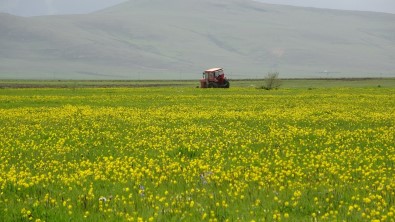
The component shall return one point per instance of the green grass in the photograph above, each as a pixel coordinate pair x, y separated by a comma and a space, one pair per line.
253, 83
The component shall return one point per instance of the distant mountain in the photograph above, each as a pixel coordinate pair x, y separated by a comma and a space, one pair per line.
386, 6
54, 7
178, 39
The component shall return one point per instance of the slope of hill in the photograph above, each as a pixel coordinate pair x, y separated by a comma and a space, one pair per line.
173, 39
53, 7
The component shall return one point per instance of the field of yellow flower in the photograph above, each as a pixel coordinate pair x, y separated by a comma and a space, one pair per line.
184, 154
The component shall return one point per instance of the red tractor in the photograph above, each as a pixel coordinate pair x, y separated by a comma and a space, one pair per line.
214, 78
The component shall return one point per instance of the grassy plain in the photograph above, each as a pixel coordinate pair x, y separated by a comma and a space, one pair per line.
285, 83
181, 153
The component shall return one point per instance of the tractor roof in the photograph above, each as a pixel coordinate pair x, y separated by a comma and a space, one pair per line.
213, 69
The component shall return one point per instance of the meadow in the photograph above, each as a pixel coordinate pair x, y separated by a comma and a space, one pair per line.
187, 154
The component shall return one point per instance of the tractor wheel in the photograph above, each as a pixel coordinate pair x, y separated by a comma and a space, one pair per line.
212, 85
226, 84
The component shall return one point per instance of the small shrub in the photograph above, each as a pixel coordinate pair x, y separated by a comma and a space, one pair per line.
271, 81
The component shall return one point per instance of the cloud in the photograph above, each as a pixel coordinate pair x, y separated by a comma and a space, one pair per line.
50, 7
9, 5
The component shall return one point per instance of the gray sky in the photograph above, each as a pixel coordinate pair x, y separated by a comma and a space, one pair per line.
359, 5
51, 7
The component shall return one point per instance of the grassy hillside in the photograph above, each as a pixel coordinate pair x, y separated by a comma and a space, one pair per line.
177, 39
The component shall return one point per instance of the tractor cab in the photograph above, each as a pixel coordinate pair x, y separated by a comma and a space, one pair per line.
214, 78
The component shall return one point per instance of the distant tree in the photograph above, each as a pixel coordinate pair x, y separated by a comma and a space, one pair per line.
271, 81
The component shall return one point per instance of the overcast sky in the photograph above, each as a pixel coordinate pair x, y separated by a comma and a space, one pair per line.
360, 5
53, 7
